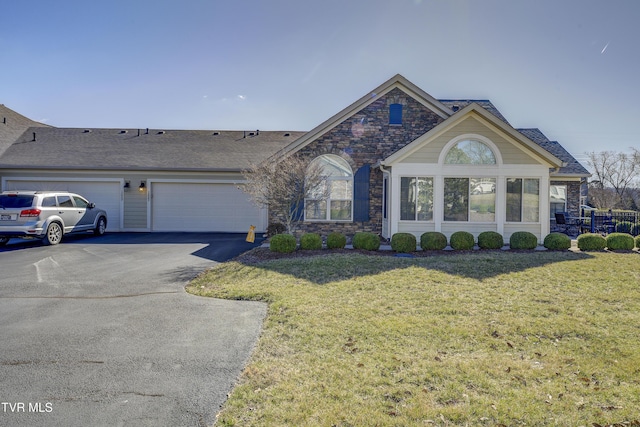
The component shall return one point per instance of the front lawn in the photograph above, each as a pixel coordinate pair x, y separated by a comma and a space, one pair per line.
484, 338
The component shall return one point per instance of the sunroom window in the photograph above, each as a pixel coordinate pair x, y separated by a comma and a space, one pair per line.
416, 198
523, 199
470, 199
557, 199
470, 152
332, 200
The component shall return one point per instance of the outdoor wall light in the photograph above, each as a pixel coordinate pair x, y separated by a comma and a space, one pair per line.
142, 186
127, 185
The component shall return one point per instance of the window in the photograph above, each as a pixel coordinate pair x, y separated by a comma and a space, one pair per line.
80, 202
557, 199
334, 199
65, 202
470, 199
416, 198
470, 152
48, 202
523, 197
395, 114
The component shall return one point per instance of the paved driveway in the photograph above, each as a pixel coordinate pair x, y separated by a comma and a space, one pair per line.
98, 331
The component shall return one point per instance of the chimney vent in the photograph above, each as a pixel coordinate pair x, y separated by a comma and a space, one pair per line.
34, 136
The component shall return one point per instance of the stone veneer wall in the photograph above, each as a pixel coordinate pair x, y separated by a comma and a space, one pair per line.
365, 138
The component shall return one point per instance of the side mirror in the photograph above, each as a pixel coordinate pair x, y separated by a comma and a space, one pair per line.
91, 205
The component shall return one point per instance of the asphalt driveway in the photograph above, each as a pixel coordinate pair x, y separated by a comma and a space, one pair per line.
98, 331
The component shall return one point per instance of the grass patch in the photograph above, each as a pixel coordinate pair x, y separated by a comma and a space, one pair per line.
497, 338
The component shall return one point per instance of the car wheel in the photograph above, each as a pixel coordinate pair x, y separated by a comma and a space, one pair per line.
53, 235
3, 240
101, 227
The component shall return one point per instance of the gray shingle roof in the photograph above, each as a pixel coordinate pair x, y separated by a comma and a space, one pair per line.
73, 148
12, 125
459, 104
573, 167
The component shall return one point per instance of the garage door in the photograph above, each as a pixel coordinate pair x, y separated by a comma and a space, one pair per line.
105, 194
202, 207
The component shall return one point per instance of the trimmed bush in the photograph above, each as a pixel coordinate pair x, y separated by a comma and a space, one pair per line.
336, 240
523, 240
637, 239
490, 240
624, 227
403, 242
366, 241
275, 228
620, 242
311, 241
591, 242
557, 242
433, 241
462, 241
635, 230
284, 243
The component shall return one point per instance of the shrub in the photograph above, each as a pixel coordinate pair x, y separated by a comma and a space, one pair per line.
433, 241
624, 227
620, 242
635, 230
462, 240
275, 228
557, 242
523, 240
336, 240
284, 243
490, 240
591, 242
366, 241
403, 242
637, 239
311, 241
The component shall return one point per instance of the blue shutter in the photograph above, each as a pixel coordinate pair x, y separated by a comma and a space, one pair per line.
361, 194
395, 114
298, 214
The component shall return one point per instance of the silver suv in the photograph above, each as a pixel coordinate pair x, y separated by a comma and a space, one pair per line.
47, 215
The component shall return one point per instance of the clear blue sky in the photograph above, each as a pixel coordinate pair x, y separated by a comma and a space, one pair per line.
569, 67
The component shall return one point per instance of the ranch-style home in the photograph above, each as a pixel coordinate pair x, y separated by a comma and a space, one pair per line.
397, 160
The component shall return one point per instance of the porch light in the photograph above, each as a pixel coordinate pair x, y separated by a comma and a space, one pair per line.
142, 186
127, 185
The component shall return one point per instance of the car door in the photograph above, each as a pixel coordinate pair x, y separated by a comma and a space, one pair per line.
87, 215
68, 212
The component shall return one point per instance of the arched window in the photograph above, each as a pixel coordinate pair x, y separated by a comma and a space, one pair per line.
470, 152
332, 200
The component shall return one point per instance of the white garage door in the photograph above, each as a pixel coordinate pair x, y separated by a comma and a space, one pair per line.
202, 207
105, 194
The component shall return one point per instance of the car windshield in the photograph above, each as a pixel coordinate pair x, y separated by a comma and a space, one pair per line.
8, 201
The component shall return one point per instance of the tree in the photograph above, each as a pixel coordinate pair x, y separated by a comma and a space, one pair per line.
282, 186
615, 173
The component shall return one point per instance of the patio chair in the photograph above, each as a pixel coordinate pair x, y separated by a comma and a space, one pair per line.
561, 223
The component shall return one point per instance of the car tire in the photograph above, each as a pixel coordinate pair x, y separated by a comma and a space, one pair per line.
4, 240
53, 236
101, 227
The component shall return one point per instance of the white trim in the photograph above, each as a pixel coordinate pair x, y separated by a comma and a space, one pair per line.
119, 181
471, 137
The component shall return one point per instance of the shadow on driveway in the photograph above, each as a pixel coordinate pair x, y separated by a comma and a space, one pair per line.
218, 247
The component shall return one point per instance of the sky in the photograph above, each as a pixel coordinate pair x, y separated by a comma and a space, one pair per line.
568, 67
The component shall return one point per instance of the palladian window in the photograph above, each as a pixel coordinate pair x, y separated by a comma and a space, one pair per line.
470, 152
332, 201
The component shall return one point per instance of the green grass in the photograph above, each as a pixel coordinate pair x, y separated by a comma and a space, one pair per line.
494, 338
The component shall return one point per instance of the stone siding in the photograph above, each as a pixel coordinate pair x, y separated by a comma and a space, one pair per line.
365, 138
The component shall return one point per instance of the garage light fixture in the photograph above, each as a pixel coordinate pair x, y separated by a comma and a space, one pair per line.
127, 185
142, 186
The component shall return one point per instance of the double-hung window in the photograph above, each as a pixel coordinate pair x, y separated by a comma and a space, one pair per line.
416, 198
333, 199
523, 200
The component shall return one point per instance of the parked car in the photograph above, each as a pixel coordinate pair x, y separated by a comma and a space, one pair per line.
47, 215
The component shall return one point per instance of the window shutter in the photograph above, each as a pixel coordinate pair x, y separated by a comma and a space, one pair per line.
298, 214
395, 114
361, 194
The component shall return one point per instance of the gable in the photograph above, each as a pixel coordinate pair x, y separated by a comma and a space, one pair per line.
515, 147
510, 152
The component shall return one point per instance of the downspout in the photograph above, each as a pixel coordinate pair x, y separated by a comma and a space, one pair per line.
383, 170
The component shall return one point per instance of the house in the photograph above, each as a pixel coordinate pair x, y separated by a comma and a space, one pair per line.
398, 160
